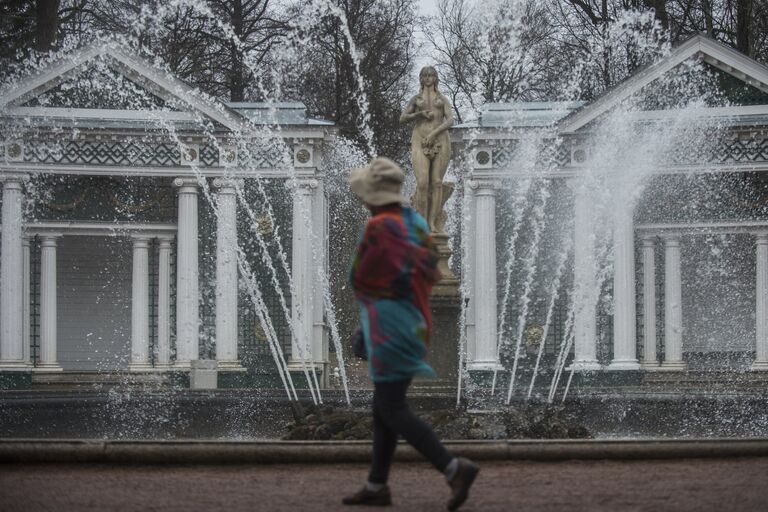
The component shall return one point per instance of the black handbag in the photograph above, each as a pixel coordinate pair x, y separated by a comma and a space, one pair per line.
358, 345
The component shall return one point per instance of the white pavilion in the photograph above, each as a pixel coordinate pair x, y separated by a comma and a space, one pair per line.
104, 207
657, 322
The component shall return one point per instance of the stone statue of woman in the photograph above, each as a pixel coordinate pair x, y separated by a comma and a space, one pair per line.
432, 115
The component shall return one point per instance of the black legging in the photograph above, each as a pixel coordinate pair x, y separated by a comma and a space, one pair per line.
392, 416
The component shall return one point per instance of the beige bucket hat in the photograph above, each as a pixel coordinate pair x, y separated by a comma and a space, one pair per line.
379, 182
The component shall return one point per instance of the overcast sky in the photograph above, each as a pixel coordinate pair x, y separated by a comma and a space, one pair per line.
428, 6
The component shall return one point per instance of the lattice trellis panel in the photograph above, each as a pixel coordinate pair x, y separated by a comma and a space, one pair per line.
143, 154
722, 151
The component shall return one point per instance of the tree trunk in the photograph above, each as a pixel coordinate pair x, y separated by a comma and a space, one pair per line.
237, 72
706, 8
744, 27
47, 12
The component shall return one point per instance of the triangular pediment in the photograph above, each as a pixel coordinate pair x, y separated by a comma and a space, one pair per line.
97, 85
740, 80
109, 80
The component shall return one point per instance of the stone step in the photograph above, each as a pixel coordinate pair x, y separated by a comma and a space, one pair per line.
75, 380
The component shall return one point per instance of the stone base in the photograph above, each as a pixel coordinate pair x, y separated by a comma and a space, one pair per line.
584, 366
48, 368
673, 366
443, 351
141, 368
230, 366
203, 374
623, 365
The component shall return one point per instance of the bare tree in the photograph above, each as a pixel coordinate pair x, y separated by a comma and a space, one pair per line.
372, 36
497, 56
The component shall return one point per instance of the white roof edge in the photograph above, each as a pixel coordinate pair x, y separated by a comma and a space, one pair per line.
60, 69
729, 60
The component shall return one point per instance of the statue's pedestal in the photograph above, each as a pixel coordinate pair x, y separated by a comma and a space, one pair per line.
449, 284
443, 353
445, 302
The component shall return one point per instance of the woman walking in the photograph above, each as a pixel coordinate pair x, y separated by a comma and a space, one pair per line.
392, 275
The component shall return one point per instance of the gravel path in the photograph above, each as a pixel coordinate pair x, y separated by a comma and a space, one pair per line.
736, 484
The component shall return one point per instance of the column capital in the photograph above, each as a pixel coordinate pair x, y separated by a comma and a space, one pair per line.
165, 241
140, 238
671, 239
13, 180
648, 239
761, 237
484, 186
228, 185
302, 184
187, 185
49, 239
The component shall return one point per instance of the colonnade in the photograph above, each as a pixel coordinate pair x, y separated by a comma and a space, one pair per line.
480, 281
309, 228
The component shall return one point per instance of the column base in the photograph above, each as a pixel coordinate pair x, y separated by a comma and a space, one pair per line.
649, 366
759, 366
48, 368
15, 366
140, 368
673, 366
295, 365
585, 366
484, 366
231, 366
623, 365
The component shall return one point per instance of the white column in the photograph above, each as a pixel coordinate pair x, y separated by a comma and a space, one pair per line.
761, 304
585, 283
26, 316
320, 265
650, 359
187, 272
485, 353
302, 271
624, 311
673, 299
140, 305
163, 347
469, 269
12, 276
226, 273
48, 304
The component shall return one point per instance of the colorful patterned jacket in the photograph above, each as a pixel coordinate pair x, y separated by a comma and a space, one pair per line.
392, 275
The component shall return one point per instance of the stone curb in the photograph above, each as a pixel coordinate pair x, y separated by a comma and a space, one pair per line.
18, 451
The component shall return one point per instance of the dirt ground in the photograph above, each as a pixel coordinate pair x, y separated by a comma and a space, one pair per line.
736, 484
